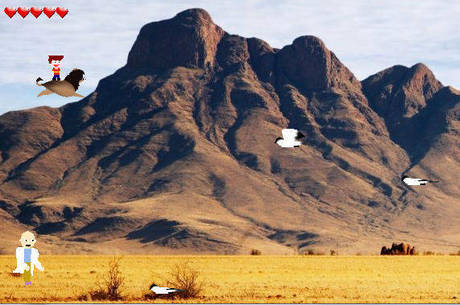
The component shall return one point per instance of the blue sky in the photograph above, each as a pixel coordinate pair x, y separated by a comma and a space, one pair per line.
96, 36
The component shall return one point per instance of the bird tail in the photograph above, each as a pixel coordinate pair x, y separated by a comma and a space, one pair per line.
433, 181
299, 135
37, 81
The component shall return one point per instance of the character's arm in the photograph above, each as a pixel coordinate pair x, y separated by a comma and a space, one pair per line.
19, 261
36, 262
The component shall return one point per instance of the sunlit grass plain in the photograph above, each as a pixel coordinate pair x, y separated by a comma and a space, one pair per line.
246, 279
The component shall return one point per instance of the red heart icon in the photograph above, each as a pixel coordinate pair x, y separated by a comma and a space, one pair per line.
10, 11
62, 11
48, 12
23, 12
36, 11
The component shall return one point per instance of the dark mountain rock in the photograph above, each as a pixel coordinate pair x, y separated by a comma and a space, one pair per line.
309, 65
189, 39
399, 92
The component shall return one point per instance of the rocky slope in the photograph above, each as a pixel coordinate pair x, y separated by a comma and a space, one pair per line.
174, 152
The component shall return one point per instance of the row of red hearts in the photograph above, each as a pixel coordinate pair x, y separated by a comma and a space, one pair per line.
36, 11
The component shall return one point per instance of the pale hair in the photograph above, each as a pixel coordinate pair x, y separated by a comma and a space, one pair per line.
23, 235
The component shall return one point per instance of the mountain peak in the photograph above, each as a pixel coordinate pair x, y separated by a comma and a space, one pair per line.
189, 39
423, 76
400, 92
310, 41
452, 90
196, 14
420, 67
309, 64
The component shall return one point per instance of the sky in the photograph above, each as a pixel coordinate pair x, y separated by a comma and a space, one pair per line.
96, 36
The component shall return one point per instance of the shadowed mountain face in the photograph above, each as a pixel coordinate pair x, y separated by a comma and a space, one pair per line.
399, 95
175, 152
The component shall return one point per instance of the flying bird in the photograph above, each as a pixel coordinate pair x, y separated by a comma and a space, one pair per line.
290, 138
66, 87
416, 181
164, 290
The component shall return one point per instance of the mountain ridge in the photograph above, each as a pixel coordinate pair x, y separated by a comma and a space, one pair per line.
174, 152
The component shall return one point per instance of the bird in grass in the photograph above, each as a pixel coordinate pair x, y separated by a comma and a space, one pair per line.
164, 290
416, 181
290, 138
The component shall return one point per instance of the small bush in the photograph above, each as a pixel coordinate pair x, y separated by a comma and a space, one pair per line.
333, 252
310, 252
429, 253
110, 287
183, 277
115, 280
150, 296
256, 252
98, 294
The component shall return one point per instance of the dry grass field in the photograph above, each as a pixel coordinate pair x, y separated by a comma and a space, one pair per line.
236, 279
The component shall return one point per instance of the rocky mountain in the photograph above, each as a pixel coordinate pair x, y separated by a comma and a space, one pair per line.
175, 153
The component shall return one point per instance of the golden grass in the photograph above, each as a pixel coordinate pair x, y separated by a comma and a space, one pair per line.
231, 279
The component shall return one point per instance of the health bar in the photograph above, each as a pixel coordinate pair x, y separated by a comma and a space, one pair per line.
36, 11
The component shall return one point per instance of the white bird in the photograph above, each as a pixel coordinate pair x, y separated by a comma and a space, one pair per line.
416, 181
164, 290
290, 138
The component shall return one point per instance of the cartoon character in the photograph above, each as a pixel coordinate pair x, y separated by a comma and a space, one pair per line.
65, 88
27, 257
55, 62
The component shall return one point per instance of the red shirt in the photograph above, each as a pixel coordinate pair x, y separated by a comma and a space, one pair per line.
57, 71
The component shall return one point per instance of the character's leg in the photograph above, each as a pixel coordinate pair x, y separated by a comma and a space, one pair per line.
55, 77
27, 275
45, 92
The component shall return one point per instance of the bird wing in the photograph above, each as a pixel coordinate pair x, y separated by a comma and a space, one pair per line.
411, 181
160, 290
166, 290
421, 181
284, 143
289, 134
45, 92
299, 135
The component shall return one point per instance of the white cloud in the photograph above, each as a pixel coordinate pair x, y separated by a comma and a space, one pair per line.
367, 36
